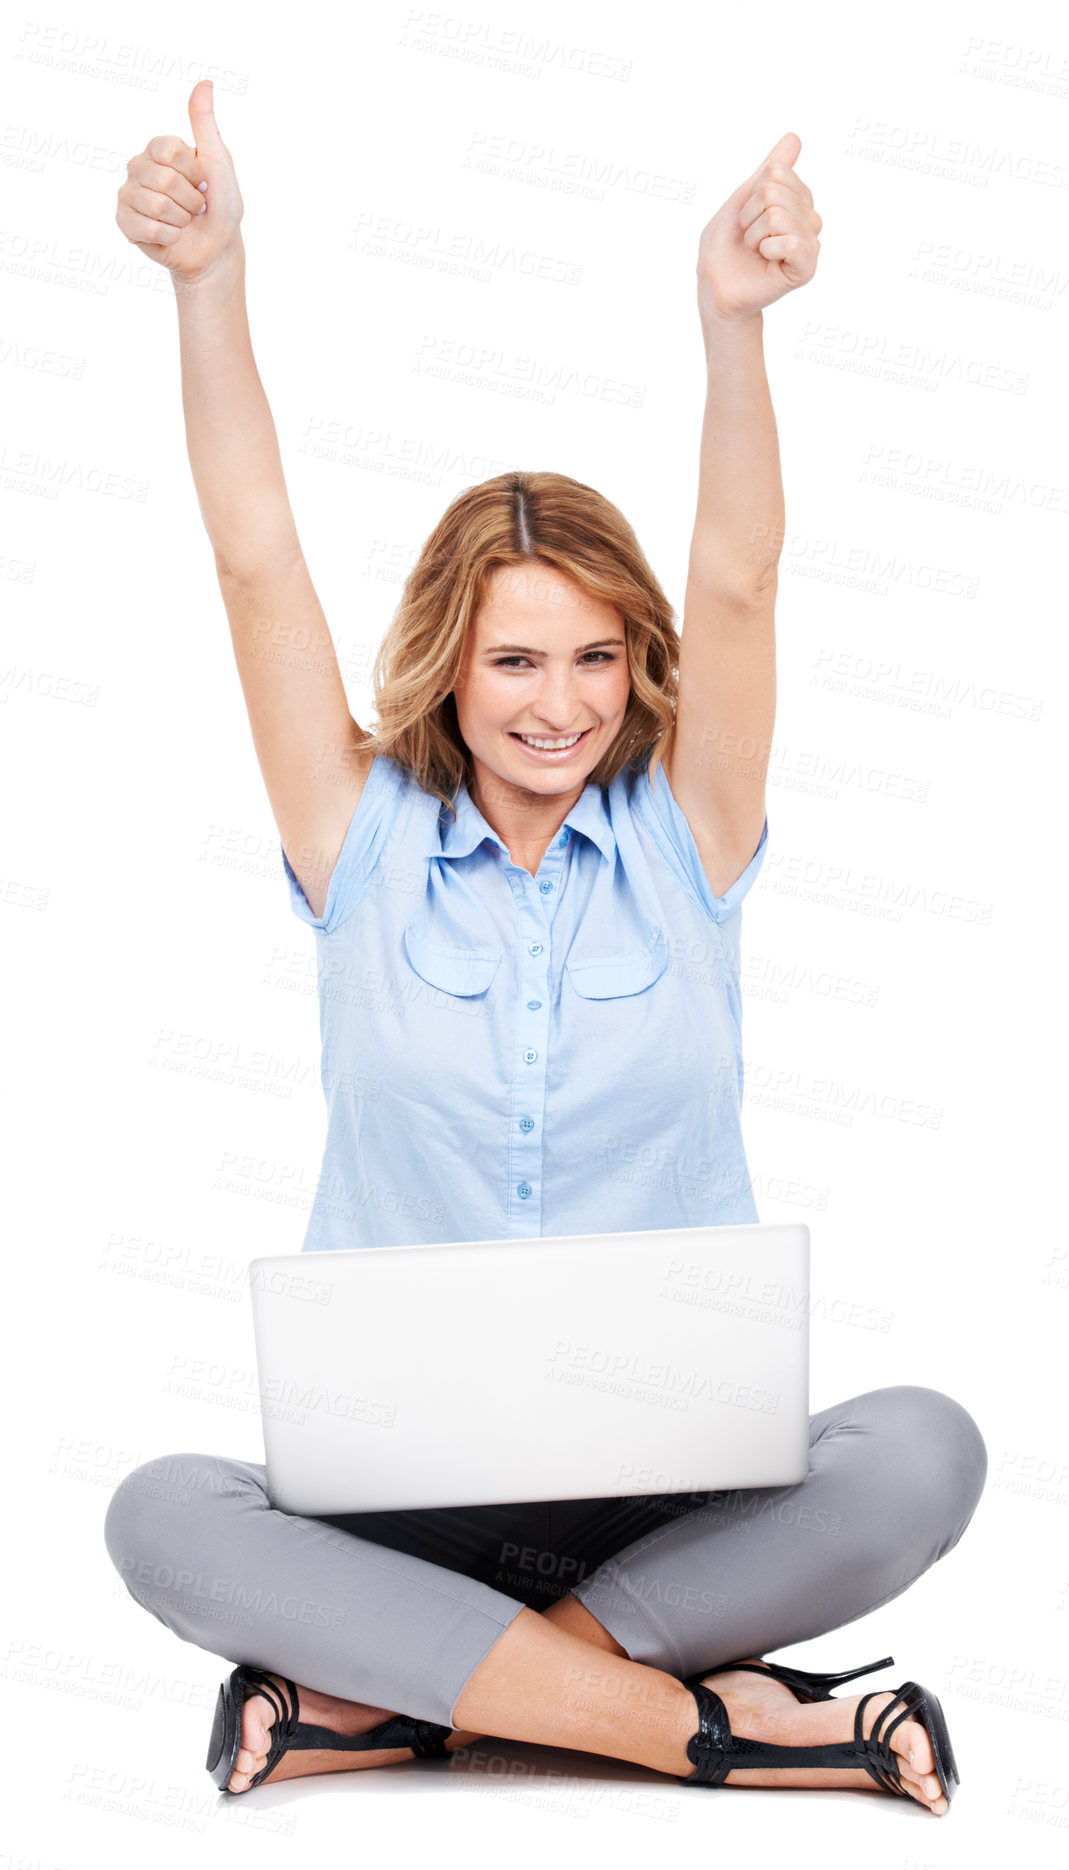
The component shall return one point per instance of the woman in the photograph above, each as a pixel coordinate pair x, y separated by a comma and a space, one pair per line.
528, 945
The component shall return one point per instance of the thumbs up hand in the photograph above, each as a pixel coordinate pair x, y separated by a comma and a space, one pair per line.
762, 243
180, 202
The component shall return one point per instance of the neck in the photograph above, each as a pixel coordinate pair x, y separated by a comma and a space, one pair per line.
525, 821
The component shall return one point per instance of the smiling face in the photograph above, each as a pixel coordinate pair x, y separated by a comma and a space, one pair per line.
546, 662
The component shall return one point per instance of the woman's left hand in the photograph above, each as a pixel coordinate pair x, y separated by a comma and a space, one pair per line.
762, 242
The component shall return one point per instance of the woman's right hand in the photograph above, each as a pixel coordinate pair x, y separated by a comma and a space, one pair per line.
164, 212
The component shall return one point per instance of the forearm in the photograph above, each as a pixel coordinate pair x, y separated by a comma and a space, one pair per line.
738, 528
230, 434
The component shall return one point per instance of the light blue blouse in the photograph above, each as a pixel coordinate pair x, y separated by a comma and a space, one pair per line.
507, 1056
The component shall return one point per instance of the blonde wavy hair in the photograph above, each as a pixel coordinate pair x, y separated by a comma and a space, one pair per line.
515, 519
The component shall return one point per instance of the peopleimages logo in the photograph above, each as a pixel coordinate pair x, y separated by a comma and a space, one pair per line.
582, 1363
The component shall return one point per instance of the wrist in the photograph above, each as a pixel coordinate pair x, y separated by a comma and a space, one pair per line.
724, 337
219, 277
730, 321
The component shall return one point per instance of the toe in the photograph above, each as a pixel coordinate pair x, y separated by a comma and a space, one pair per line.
257, 1720
926, 1791
911, 1738
913, 1748
916, 1763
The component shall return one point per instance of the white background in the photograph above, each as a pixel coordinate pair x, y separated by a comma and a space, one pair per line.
903, 951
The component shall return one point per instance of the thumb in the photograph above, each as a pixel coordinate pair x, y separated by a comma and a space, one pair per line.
206, 135
787, 150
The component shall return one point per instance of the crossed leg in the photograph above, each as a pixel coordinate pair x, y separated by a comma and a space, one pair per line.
894, 1478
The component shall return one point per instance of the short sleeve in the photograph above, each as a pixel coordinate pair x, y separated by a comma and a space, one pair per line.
658, 806
370, 826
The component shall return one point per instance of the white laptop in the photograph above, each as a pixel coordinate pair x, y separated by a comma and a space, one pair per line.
564, 1368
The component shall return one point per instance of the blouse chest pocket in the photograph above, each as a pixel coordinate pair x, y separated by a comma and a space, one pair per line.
460, 971
610, 977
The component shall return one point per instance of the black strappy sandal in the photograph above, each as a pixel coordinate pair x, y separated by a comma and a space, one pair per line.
426, 1738
716, 1751
805, 1684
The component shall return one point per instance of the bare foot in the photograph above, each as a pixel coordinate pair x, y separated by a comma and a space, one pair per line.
761, 1708
345, 1717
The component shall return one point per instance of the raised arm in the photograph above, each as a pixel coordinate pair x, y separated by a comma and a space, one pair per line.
760, 244
307, 743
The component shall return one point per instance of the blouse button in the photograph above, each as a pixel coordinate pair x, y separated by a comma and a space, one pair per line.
534, 947
563, 839
530, 1057
545, 888
524, 1190
533, 1006
526, 1123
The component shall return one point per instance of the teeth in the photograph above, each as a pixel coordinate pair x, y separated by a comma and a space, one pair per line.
549, 745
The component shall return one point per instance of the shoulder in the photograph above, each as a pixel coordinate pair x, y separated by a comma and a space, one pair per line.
388, 780
629, 794
391, 824
652, 806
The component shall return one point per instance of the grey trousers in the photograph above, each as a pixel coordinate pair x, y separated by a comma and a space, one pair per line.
398, 1609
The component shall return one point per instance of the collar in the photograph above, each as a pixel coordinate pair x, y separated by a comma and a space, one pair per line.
589, 814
